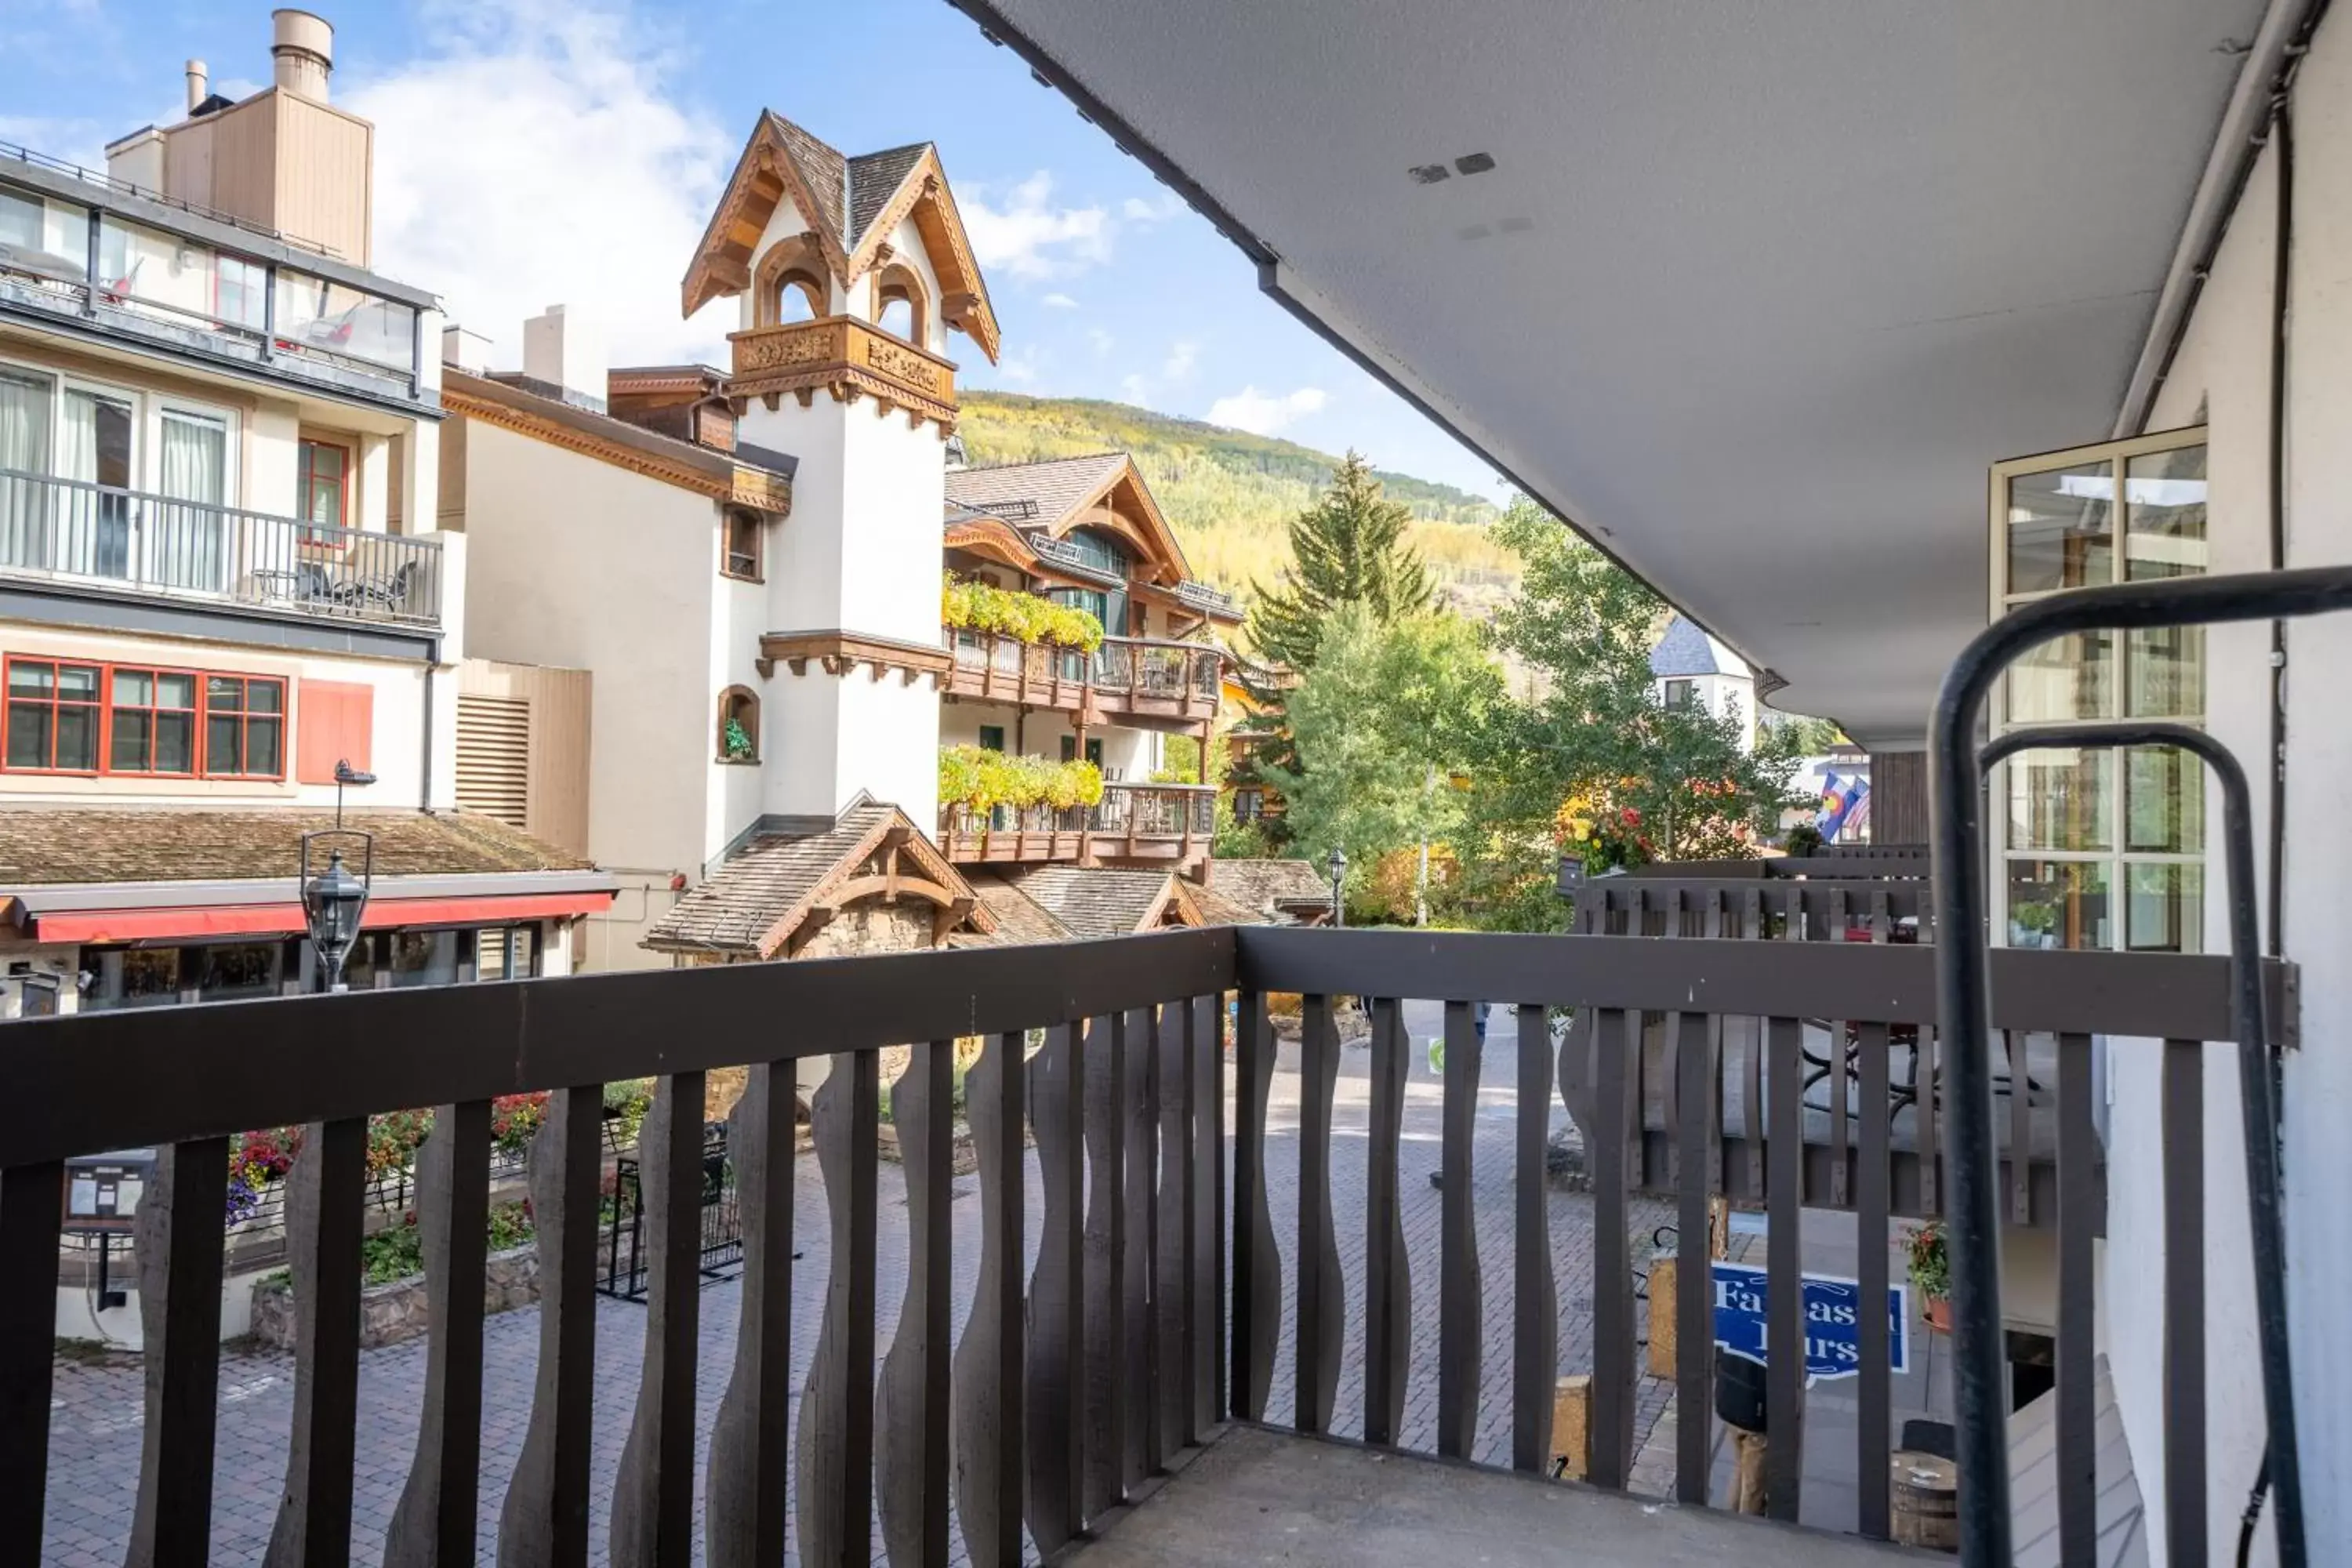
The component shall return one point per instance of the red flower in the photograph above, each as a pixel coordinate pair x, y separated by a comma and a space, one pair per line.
1630, 817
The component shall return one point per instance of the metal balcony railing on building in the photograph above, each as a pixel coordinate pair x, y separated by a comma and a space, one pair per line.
1161, 822
102, 537
1027, 1423
1125, 677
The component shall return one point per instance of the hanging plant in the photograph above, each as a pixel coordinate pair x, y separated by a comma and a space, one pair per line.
1024, 617
982, 780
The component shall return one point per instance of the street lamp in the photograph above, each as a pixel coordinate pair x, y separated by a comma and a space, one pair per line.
332, 901
1338, 875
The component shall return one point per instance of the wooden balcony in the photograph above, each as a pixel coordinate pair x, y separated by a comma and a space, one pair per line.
1172, 825
847, 359
1118, 1389
1138, 681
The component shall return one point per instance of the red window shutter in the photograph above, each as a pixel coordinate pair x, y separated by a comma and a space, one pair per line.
334, 721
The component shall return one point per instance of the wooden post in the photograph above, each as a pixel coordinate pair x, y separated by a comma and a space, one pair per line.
1571, 1442
1663, 1339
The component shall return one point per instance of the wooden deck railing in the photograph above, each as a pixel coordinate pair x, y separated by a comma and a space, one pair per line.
1070, 1385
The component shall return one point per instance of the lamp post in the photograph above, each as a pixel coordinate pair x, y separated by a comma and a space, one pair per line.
333, 902
1338, 876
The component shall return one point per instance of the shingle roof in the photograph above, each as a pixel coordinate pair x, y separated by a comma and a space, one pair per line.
1019, 918
1216, 909
73, 845
752, 904
1056, 488
874, 179
1094, 903
1685, 649
1268, 885
823, 169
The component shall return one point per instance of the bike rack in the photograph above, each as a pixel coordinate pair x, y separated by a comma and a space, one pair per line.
1956, 767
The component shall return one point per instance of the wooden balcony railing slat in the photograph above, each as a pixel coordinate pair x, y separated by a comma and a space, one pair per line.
1105, 1279
546, 1509
1258, 1262
1784, 1334
1173, 1292
32, 1199
178, 1237
1694, 1077
1322, 1314
323, 1215
1387, 1267
1875, 1398
1617, 1043
1055, 1403
1142, 1344
434, 1524
653, 1495
745, 1491
2182, 1113
2078, 1218
1534, 1295
1461, 1308
989, 1439
834, 1447
1206, 1224
911, 1424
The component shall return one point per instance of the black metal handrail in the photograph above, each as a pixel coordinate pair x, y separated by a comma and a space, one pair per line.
1956, 763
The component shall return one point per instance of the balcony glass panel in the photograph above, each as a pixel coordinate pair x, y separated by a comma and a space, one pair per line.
319, 317
2061, 528
173, 278
2058, 799
2164, 908
2164, 502
2059, 903
2070, 678
43, 243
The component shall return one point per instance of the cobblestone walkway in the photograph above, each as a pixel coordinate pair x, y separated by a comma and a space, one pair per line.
96, 1421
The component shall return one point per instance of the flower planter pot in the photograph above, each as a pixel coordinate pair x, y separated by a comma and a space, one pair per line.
1939, 1313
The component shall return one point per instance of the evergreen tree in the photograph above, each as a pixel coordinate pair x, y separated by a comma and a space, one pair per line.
1349, 549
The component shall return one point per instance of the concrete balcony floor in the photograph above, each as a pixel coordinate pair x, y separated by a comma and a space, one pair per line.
1256, 1495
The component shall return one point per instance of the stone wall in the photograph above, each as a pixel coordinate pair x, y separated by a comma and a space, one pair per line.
873, 927
394, 1312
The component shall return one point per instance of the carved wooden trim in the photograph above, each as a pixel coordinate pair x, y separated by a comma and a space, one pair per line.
838, 652
709, 481
846, 357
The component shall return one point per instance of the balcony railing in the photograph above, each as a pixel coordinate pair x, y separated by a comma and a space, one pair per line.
845, 356
100, 536
1201, 596
1151, 821
1070, 1381
1125, 677
174, 289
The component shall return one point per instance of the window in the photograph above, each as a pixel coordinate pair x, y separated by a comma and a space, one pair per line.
53, 716
423, 958
992, 737
738, 725
2103, 848
1682, 693
506, 952
742, 542
152, 722
1099, 550
1249, 805
245, 727
1070, 750
899, 303
324, 489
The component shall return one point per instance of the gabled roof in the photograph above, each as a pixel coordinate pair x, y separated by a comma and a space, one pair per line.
755, 904
1092, 902
1685, 650
71, 846
1269, 887
852, 206
1062, 490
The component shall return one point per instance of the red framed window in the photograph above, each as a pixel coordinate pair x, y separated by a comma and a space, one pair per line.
150, 719
245, 727
324, 489
53, 709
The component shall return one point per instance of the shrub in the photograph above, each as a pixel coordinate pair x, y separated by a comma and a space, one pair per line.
1024, 617
981, 779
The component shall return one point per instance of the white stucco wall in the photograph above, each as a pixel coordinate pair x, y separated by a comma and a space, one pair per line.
2224, 369
577, 562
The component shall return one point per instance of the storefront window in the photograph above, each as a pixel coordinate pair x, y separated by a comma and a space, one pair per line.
423, 958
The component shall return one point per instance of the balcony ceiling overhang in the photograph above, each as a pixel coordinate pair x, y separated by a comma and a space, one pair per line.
1753, 297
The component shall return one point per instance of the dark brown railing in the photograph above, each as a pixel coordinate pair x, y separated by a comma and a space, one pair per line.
1069, 1386
1157, 819
104, 536
1123, 677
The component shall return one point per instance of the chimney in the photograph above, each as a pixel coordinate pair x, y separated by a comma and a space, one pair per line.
199, 84
567, 356
465, 351
302, 53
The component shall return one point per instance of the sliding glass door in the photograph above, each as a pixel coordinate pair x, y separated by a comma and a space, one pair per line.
93, 528
187, 544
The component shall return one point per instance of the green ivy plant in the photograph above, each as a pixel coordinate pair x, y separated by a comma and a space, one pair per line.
982, 779
1024, 617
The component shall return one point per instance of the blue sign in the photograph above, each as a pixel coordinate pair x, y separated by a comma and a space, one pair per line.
1833, 1320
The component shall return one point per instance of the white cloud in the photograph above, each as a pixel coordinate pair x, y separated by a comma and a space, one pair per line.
1103, 342
1135, 209
1021, 368
1059, 302
1265, 413
1028, 236
1182, 355
541, 155
1135, 389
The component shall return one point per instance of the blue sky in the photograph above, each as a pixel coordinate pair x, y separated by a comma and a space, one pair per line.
530, 152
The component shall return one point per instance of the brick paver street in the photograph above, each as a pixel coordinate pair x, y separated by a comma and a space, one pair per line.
96, 1422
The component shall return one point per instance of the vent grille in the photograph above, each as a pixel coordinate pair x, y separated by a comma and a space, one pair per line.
494, 758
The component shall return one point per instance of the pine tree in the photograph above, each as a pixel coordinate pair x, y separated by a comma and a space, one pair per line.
1350, 549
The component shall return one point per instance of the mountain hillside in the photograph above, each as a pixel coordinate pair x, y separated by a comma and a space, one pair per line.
1230, 495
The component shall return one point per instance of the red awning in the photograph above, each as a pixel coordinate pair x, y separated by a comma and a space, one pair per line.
198, 921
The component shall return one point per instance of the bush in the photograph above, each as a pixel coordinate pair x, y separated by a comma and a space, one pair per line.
981, 779
1024, 617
